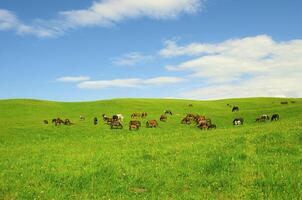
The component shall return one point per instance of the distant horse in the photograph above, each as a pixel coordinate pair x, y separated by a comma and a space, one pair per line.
151, 123
135, 122
238, 121
45, 121
135, 115
163, 118
235, 109
262, 118
144, 115
58, 121
95, 121
275, 117
168, 112
82, 118
186, 120
133, 127
116, 125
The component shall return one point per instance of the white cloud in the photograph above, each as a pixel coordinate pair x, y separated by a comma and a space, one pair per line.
100, 13
252, 66
132, 83
132, 58
9, 21
73, 78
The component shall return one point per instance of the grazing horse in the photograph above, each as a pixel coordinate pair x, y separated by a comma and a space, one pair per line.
186, 120
199, 118
284, 102
45, 121
204, 124
108, 120
151, 123
95, 120
116, 125
275, 117
168, 112
262, 118
135, 122
144, 115
133, 127
58, 121
135, 115
163, 118
238, 121
68, 122
235, 108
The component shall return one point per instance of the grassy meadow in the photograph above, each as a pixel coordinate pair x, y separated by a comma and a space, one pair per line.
173, 161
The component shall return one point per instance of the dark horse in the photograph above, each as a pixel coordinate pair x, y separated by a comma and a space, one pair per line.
275, 117
235, 108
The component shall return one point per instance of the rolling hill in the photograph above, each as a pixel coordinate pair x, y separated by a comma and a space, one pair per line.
173, 161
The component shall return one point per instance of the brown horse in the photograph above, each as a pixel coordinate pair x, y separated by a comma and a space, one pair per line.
116, 125
186, 120
163, 118
151, 123
133, 127
136, 114
135, 122
144, 115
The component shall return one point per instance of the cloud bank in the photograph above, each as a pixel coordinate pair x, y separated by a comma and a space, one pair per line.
251, 66
129, 83
101, 13
73, 78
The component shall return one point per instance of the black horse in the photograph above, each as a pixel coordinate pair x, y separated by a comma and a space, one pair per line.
275, 117
95, 121
235, 108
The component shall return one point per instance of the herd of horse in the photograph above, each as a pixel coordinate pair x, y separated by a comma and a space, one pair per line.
201, 121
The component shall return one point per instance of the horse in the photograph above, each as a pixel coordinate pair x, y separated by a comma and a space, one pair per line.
82, 118
95, 120
133, 127
275, 117
135, 122
144, 115
58, 121
262, 118
68, 122
163, 118
135, 114
284, 102
186, 120
151, 123
45, 121
116, 125
238, 121
190, 105
235, 108
204, 124
168, 112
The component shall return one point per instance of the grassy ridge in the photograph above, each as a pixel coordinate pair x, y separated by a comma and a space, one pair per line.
255, 161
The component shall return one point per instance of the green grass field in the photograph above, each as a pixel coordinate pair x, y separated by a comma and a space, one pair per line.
174, 161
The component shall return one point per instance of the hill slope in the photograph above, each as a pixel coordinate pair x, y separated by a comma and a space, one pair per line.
174, 161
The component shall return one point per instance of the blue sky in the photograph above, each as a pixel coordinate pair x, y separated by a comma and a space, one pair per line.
76, 50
